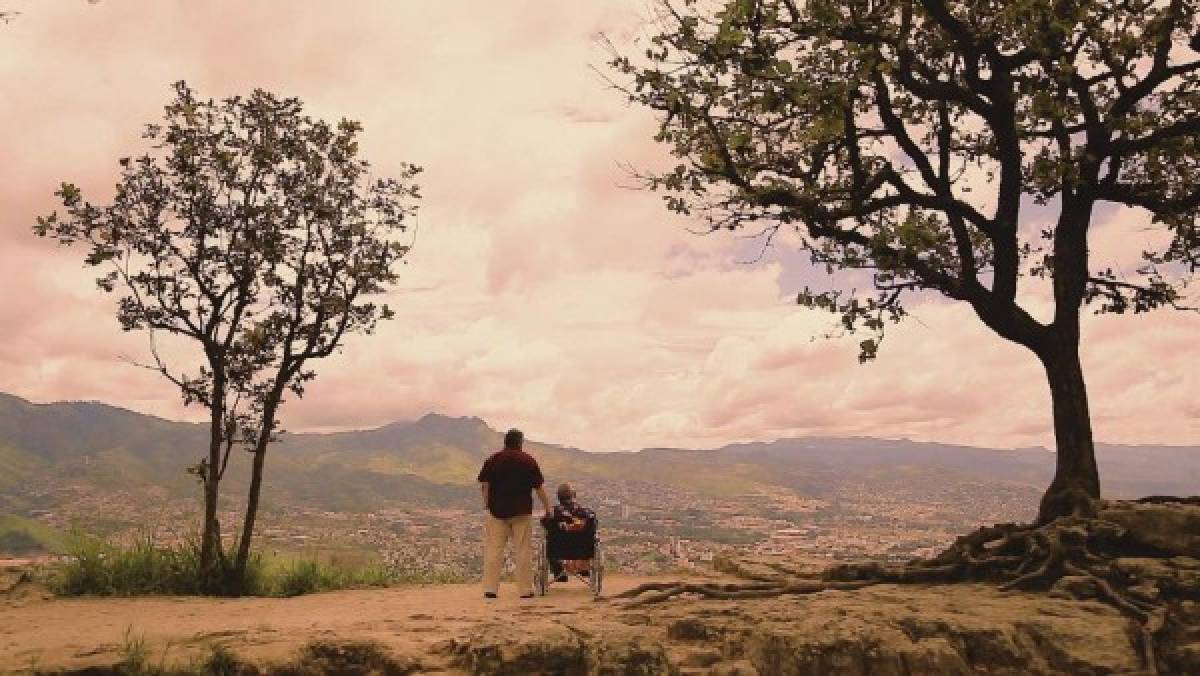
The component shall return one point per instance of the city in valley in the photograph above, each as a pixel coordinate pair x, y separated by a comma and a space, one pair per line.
404, 495
645, 528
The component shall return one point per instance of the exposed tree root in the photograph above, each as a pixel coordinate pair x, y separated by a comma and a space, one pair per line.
655, 592
1071, 557
1169, 499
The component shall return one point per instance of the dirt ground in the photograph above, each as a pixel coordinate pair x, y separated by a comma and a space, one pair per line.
452, 629
72, 633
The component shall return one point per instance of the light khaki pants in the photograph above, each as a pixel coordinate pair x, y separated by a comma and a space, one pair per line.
496, 534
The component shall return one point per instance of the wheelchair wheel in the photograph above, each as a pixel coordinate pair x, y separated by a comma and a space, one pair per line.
541, 571
596, 578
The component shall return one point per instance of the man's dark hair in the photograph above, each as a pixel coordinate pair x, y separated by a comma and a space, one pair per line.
513, 438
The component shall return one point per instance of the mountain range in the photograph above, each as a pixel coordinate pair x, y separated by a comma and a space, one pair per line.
433, 461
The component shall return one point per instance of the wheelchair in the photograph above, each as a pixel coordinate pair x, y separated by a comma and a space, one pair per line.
580, 553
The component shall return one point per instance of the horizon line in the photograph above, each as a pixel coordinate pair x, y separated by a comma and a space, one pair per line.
488, 425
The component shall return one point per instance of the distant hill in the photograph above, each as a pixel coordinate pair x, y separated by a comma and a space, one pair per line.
26, 537
434, 460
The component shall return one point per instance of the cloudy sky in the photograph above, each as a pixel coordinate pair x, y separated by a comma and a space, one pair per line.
543, 292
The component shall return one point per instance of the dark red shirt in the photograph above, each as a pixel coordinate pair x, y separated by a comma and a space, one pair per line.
511, 475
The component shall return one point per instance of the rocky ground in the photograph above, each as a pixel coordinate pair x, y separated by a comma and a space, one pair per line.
883, 629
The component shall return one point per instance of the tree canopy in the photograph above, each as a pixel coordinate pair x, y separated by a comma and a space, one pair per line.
257, 233
910, 138
253, 230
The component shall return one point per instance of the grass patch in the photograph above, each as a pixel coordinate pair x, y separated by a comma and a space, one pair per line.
98, 568
294, 577
135, 656
308, 576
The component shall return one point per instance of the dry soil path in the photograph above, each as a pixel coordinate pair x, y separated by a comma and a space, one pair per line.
71, 633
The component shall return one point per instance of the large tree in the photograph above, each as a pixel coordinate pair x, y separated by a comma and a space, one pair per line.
910, 139
256, 234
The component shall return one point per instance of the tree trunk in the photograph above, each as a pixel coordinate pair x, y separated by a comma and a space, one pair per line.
260, 456
1076, 484
210, 537
243, 553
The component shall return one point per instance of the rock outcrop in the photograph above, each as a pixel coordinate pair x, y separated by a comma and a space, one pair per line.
882, 630
559, 647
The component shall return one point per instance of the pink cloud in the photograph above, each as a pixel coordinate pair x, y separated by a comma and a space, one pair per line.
542, 292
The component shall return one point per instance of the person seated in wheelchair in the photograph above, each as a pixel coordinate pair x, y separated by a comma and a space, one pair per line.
570, 536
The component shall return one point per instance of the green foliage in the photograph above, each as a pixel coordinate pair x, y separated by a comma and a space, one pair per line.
251, 229
868, 127
258, 234
307, 576
96, 568
303, 577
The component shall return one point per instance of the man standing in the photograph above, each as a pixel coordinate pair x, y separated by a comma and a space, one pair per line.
506, 481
